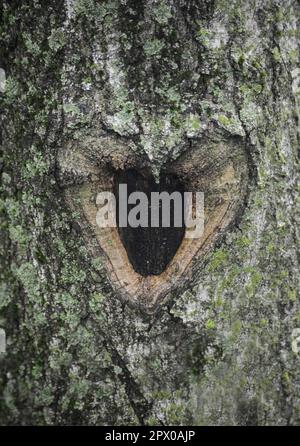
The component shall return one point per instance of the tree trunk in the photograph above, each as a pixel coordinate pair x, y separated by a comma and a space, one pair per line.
157, 77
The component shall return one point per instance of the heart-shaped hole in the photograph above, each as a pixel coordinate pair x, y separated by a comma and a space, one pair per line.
144, 263
149, 249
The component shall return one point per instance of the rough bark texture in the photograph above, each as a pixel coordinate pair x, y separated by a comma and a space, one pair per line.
158, 73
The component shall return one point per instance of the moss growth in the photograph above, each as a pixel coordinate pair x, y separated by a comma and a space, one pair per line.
153, 47
219, 259
76, 355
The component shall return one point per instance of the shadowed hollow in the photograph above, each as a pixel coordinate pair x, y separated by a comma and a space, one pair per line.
149, 249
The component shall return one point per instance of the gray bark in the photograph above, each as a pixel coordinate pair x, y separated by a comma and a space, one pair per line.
221, 349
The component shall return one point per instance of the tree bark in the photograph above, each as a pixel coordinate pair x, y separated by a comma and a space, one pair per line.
159, 75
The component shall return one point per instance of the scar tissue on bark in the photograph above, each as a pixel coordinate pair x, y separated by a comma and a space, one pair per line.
216, 166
